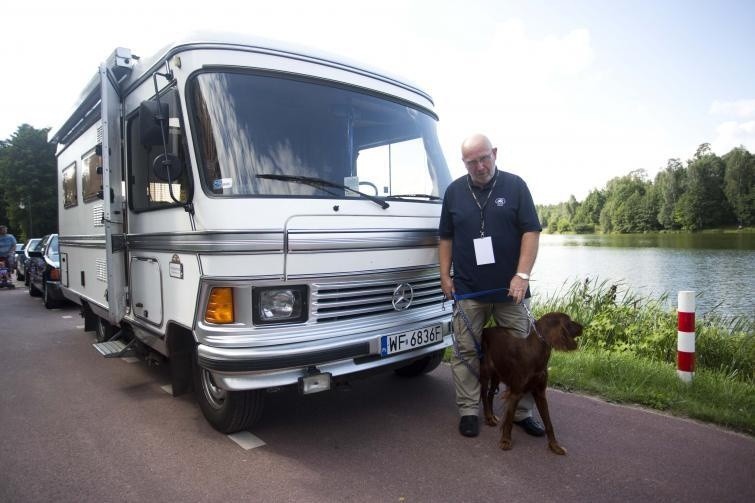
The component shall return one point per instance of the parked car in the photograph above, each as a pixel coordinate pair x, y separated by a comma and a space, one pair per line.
23, 259
44, 272
19, 250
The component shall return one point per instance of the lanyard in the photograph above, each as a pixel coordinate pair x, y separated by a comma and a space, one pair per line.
483, 205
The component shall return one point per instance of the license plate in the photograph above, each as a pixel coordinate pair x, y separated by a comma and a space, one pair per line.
396, 343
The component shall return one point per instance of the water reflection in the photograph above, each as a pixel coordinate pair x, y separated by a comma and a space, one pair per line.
699, 241
719, 267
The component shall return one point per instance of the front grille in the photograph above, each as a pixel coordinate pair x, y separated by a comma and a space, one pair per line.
358, 299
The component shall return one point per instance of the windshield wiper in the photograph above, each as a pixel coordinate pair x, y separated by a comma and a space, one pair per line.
320, 183
405, 196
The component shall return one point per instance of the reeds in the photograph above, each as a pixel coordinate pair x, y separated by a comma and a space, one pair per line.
618, 320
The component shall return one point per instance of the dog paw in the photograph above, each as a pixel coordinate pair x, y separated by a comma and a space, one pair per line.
556, 448
505, 444
491, 420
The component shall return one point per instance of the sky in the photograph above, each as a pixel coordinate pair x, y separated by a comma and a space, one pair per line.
572, 92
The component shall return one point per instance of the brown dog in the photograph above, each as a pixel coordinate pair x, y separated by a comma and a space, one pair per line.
522, 364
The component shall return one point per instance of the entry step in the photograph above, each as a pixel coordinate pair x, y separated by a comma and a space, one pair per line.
113, 349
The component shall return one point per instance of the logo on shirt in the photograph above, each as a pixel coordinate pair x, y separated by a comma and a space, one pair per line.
500, 201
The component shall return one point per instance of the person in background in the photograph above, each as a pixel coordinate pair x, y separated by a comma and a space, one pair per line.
7, 247
489, 232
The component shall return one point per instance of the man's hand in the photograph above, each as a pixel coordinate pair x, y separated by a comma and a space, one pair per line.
518, 289
445, 248
447, 285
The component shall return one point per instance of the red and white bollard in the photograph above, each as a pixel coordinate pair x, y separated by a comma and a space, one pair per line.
685, 345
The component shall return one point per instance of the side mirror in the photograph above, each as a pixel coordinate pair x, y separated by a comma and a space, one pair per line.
153, 121
167, 167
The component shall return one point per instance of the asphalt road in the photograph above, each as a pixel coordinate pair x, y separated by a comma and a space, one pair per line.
77, 427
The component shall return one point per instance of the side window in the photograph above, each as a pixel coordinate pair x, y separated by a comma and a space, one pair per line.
91, 179
70, 193
53, 252
147, 191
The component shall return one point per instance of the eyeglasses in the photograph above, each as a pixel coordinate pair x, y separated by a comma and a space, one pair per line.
483, 159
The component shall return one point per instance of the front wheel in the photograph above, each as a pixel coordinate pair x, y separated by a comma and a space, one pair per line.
421, 366
227, 411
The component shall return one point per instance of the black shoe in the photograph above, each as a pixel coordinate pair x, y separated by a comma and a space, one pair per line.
469, 426
531, 426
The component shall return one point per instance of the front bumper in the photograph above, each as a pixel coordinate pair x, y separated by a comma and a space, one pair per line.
237, 369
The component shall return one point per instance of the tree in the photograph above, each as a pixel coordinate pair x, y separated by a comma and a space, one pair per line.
669, 185
738, 184
3, 203
606, 224
686, 214
647, 220
704, 204
28, 177
625, 210
589, 211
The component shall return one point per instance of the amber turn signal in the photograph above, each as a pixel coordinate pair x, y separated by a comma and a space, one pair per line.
220, 306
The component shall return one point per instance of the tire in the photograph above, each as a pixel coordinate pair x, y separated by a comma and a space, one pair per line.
48, 301
424, 365
226, 411
103, 330
33, 290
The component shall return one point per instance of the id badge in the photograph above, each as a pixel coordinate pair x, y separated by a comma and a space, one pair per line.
483, 250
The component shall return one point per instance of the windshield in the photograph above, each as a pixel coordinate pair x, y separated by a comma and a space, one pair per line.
253, 124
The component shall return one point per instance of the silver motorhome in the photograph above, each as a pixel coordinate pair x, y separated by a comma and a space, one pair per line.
261, 215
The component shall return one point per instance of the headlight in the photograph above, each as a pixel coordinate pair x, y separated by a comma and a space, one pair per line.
278, 305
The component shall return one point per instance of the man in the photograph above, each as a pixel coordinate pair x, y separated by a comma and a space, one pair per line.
490, 232
7, 247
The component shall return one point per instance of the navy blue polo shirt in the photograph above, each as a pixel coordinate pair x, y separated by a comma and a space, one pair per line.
508, 214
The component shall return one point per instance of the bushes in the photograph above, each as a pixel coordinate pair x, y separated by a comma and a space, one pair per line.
584, 228
621, 322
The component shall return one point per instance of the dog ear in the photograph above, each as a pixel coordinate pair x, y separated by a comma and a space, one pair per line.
575, 329
561, 335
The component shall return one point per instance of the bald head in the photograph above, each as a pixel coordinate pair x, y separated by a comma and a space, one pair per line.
479, 157
475, 142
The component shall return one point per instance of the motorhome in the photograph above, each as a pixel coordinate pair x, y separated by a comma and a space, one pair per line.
258, 215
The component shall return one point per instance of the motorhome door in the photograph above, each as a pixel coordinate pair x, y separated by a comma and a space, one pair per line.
112, 194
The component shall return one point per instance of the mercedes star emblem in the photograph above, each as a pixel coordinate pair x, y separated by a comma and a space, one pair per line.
403, 296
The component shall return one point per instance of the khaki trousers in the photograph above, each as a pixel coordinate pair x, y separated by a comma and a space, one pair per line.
466, 380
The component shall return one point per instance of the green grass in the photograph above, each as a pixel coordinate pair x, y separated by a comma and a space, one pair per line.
624, 378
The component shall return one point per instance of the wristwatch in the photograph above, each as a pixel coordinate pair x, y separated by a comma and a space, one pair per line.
523, 275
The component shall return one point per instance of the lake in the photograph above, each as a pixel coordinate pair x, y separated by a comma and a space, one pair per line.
718, 267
